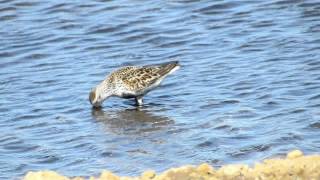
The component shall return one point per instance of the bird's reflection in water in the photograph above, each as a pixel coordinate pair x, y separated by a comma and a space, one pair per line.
131, 121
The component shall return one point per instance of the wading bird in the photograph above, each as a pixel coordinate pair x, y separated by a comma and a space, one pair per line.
131, 82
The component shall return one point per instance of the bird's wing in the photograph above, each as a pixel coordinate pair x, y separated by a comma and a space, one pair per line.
141, 78
166, 68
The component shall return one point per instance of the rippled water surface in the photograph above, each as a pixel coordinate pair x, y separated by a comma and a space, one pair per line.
248, 89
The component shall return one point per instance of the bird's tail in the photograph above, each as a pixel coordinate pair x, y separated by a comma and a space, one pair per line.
168, 68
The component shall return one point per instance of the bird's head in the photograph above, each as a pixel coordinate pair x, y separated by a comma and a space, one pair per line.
97, 96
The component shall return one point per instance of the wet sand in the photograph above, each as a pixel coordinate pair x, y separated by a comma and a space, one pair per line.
294, 166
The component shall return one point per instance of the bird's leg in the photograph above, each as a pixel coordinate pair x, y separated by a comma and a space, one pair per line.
139, 101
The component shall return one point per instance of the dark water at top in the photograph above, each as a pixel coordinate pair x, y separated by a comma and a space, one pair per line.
248, 89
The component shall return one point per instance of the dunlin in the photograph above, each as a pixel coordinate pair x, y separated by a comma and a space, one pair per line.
131, 82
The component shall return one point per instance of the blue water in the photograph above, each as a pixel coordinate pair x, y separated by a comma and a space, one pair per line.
248, 89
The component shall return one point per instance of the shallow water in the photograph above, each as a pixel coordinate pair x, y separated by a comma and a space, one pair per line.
248, 89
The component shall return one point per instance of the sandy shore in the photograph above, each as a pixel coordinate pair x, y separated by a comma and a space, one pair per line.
294, 166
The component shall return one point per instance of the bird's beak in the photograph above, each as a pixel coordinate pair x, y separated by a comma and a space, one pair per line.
96, 105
